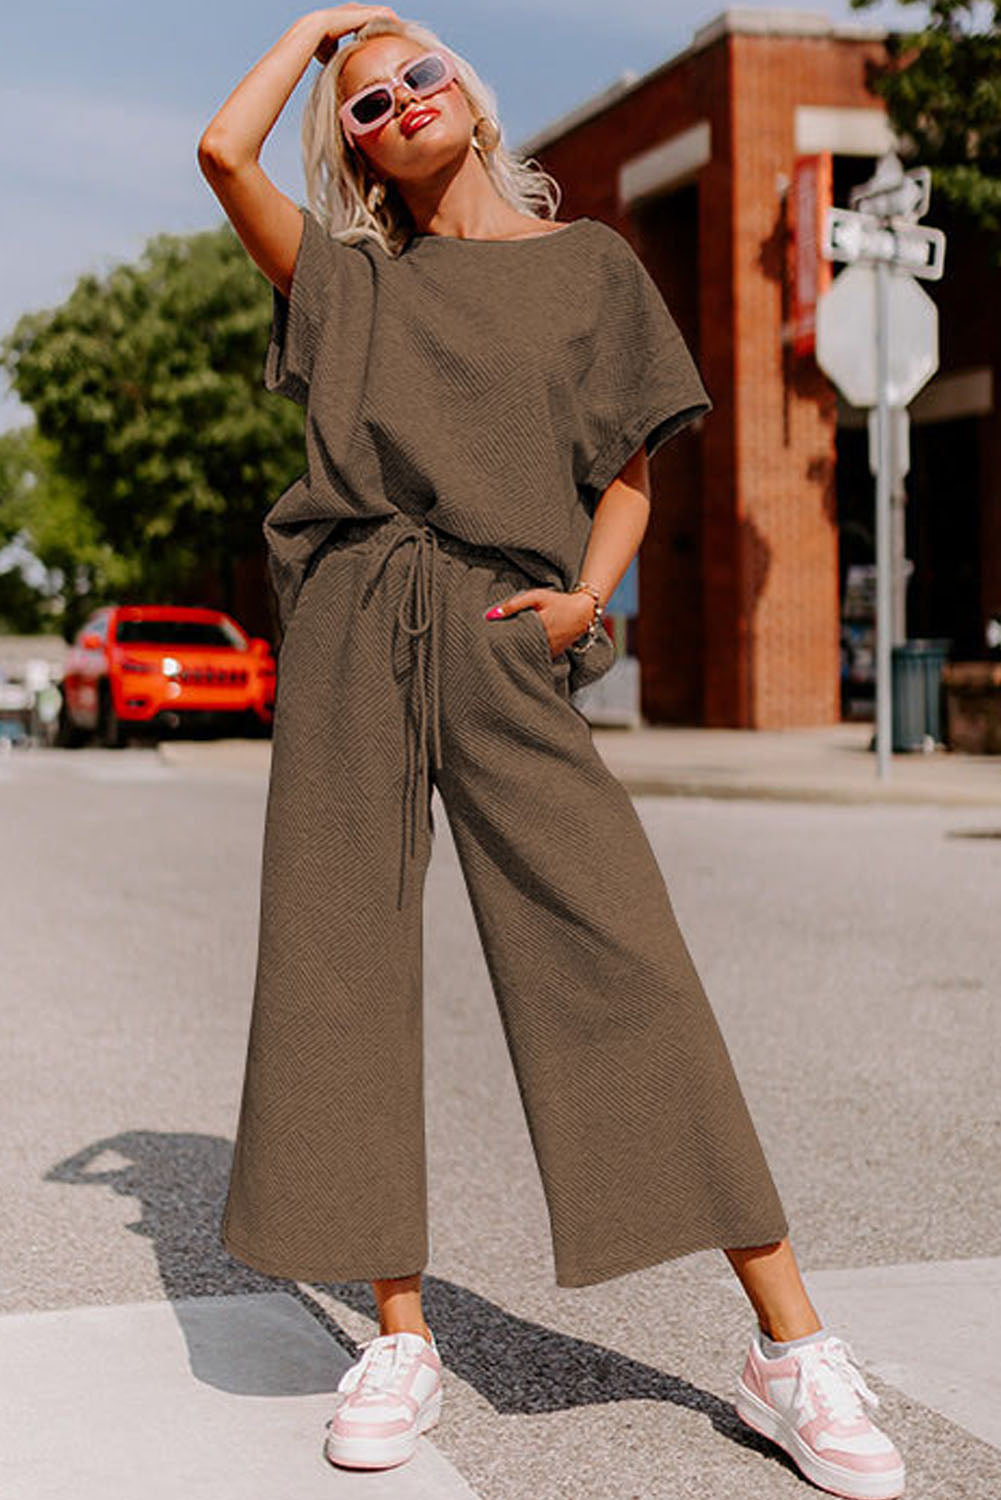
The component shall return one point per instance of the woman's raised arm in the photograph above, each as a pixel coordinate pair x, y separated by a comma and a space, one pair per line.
267, 221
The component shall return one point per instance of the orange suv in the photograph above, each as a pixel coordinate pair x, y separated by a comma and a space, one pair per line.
148, 669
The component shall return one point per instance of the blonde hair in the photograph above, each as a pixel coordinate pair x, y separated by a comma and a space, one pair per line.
338, 179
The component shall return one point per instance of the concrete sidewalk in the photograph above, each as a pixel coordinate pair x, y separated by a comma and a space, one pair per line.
206, 1398
831, 764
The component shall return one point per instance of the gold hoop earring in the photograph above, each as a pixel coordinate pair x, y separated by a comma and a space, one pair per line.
486, 134
375, 197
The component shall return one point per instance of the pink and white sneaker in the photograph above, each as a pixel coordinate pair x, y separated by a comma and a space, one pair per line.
808, 1402
384, 1402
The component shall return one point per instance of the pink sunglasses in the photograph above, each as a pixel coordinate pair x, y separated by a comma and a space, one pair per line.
374, 105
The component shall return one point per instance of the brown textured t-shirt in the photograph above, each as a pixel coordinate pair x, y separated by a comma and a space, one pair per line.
494, 388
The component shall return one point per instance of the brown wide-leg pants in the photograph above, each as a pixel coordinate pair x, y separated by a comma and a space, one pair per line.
391, 681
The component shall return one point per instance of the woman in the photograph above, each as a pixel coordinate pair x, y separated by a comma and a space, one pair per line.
483, 387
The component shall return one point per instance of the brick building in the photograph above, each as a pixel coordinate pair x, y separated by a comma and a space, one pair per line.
760, 507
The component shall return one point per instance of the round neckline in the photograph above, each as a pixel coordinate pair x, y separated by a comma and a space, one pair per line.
523, 239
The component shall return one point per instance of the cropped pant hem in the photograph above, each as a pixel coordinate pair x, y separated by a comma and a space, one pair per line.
581, 1273
311, 1272
569, 1273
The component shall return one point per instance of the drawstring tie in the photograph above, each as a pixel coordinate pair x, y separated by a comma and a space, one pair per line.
418, 592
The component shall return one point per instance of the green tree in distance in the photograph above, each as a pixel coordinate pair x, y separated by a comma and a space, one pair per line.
41, 510
942, 88
146, 383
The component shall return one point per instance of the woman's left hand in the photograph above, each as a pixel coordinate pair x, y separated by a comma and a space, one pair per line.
565, 616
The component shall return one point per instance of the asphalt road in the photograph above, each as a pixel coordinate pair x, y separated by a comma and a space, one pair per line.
852, 955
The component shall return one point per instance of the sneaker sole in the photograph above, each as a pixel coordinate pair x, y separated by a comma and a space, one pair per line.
771, 1424
382, 1453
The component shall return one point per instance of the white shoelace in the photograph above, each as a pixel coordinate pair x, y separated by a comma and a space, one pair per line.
380, 1365
838, 1382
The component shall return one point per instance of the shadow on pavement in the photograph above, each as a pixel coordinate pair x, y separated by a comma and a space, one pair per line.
519, 1367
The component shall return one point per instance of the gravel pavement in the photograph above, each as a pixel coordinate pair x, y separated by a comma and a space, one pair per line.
851, 953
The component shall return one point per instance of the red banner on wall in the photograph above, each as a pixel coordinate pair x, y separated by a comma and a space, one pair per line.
812, 194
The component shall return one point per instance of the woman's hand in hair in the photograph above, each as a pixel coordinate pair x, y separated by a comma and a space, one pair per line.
343, 19
267, 221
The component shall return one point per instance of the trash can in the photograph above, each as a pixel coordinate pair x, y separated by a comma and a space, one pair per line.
916, 670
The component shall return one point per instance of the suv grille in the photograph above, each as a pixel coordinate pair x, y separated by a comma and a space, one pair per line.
212, 677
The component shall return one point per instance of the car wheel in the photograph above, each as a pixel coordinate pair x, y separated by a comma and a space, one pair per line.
252, 726
68, 736
110, 732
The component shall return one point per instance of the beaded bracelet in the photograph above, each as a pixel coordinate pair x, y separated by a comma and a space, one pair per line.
586, 640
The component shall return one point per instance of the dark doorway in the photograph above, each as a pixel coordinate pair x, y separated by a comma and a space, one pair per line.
943, 535
668, 636
856, 497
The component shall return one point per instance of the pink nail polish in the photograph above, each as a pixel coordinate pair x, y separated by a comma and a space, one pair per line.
495, 613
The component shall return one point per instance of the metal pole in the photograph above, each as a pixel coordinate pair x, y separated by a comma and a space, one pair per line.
899, 529
884, 549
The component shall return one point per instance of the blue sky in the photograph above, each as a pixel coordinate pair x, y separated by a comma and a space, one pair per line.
101, 107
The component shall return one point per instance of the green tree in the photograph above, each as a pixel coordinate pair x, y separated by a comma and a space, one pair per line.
942, 88
146, 384
42, 515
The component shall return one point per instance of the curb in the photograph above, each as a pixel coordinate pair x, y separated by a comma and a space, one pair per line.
641, 786
253, 757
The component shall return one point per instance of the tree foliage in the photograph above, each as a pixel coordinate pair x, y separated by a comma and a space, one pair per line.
146, 384
942, 88
43, 519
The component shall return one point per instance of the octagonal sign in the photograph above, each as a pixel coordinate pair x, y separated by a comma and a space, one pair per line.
846, 336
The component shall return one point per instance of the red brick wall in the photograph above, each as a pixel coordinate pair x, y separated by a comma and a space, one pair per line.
768, 656
724, 659
784, 409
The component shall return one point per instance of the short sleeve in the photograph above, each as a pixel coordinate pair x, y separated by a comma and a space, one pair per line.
297, 320
642, 386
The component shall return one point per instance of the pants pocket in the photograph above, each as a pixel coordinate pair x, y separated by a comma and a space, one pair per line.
587, 666
558, 666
